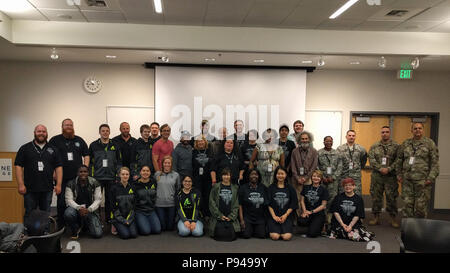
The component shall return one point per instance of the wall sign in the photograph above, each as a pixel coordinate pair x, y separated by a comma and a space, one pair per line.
5, 169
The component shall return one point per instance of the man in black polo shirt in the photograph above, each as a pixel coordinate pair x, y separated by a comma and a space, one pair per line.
74, 153
125, 141
35, 163
105, 162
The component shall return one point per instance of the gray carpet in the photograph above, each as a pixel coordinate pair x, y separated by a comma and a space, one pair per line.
170, 242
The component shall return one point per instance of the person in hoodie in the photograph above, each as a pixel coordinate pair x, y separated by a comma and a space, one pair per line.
141, 152
188, 206
182, 155
145, 193
123, 203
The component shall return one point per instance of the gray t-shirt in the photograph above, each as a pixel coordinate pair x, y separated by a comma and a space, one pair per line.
167, 186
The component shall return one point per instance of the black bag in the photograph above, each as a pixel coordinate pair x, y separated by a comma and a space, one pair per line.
224, 231
37, 223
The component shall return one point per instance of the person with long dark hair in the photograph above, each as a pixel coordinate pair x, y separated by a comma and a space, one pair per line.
188, 206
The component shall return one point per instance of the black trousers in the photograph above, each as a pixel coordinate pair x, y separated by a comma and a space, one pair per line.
106, 187
314, 223
253, 230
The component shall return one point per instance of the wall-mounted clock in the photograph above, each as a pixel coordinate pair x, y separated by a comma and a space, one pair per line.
92, 84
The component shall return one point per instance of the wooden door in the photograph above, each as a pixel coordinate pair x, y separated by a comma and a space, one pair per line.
367, 133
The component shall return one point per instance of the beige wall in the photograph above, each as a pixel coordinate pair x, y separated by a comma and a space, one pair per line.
33, 93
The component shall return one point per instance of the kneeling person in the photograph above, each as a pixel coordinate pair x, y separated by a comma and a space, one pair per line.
83, 197
188, 203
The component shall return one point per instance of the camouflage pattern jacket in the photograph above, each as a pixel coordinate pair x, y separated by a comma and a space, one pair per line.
383, 156
424, 166
358, 156
330, 159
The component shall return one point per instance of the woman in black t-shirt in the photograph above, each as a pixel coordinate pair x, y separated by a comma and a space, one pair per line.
202, 160
253, 206
348, 210
313, 201
282, 202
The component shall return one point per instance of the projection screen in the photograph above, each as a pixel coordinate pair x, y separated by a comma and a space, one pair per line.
262, 98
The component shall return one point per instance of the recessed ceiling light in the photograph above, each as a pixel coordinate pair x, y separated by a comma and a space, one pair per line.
355, 62
343, 8
64, 16
54, 55
210, 60
111, 56
158, 6
164, 59
258, 61
307, 62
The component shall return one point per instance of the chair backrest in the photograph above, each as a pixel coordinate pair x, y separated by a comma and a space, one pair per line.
426, 235
50, 243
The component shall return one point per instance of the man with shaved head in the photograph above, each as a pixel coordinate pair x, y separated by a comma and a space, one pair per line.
35, 163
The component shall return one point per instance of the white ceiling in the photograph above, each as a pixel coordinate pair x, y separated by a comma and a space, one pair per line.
422, 16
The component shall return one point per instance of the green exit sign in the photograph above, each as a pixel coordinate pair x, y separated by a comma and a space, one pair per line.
405, 74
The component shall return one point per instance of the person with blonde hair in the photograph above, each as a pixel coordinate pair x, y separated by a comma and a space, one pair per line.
167, 185
313, 200
202, 159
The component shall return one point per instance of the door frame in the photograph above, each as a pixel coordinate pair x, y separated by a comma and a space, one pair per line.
434, 135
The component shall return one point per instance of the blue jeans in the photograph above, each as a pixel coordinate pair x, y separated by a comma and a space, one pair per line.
124, 231
166, 217
183, 231
91, 221
35, 200
148, 223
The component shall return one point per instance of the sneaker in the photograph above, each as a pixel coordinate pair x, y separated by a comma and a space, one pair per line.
75, 234
113, 230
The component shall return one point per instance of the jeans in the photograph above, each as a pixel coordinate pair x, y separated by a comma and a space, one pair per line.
61, 204
183, 231
148, 223
124, 231
166, 217
91, 221
35, 200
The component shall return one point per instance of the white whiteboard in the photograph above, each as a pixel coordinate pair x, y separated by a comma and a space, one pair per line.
322, 124
134, 115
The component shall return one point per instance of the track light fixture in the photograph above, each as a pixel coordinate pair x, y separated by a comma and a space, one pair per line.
321, 62
382, 62
54, 55
415, 63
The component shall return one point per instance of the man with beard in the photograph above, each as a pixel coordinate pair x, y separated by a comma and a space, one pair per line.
304, 161
74, 153
182, 155
125, 141
35, 163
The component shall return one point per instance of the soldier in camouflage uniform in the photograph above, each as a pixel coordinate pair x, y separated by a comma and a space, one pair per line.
331, 166
354, 158
382, 158
417, 168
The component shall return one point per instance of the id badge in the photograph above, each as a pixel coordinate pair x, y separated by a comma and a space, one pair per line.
105, 163
329, 170
70, 156
384, 161
302, 171
200, 171
350, 165
40, 166
411, 160
269, 168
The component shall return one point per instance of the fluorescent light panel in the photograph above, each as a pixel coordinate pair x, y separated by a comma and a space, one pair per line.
158, 6
343, 8
15, 6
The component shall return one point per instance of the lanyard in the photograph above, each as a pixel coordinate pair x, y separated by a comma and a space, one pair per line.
301, 158
350, 152
37, 150
415, 149
230, 158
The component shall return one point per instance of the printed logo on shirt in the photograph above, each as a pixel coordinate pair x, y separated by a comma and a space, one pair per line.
256, 199
187, 203
281, 198
225, 195
113, 148
50, 150
77, 144
202, 159
313, 197
348, 207
130, 191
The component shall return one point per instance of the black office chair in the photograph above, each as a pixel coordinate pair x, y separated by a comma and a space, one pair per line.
49, 243
425, 235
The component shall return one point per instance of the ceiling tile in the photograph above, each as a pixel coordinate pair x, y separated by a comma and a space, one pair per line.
269, 13
57, 15
104, 16
438, 13
377, 25
184, 11
111, 5
227, 13
444, 27
52, 4
140, 12
415, 3
415, 26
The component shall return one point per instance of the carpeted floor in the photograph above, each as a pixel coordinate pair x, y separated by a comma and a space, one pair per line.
170, 242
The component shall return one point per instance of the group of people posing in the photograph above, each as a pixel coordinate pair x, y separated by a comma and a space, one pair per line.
228, 185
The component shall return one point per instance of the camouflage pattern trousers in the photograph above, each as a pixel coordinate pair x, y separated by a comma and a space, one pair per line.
416, 196
380, 185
